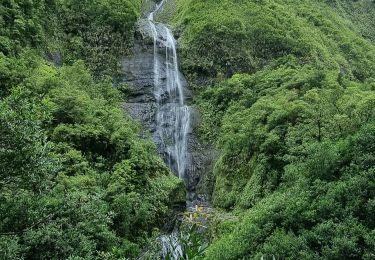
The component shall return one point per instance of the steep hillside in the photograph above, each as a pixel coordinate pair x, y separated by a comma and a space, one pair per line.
286, 92
360, 13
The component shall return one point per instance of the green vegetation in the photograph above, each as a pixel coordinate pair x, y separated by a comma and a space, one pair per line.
76, 180
286, 91
360, 13
99, 32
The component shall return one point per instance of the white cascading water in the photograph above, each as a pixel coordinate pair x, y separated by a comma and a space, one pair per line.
173, 115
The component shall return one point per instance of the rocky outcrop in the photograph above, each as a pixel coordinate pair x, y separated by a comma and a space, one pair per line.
139, 77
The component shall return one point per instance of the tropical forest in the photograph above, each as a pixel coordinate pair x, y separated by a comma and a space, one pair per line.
187, 129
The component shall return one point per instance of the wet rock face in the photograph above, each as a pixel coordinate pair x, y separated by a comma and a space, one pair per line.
139, 76
143, 104
139, 73
54, 57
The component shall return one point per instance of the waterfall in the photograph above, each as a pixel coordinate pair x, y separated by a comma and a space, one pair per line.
158, 97
171, 246
173, 115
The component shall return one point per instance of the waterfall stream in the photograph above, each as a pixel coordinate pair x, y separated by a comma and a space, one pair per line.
172, 115
158, 96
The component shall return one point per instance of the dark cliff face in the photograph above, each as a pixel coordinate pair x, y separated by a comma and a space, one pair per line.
138, 69
142, 105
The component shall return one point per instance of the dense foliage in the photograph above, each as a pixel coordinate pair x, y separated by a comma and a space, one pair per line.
98, 32
360, 13
76, 180
286, 91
